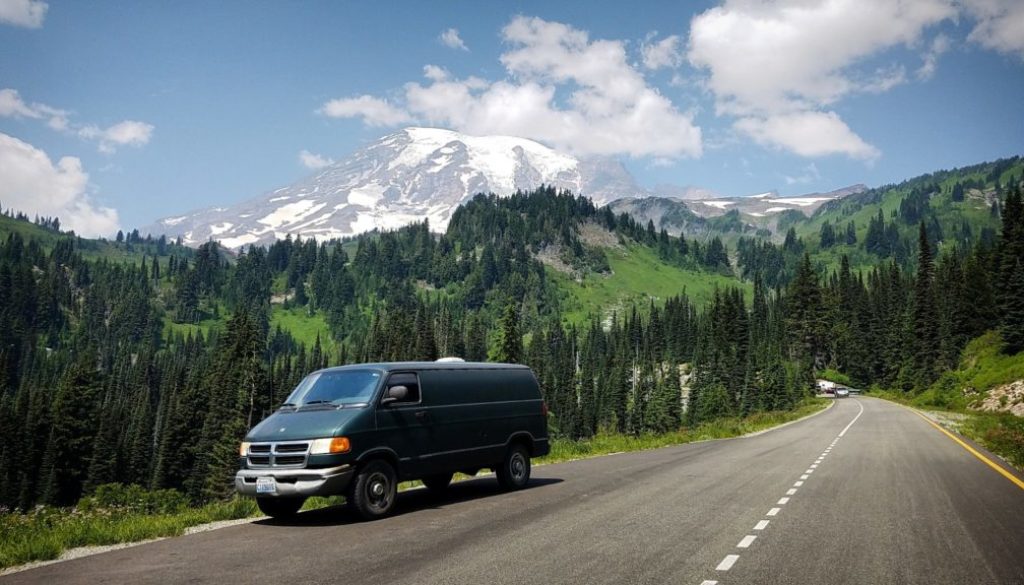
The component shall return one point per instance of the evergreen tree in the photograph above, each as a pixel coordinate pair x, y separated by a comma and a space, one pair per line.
925, 323
511, 348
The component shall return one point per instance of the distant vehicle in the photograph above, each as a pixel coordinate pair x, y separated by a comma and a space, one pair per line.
826, 386
854, 390
842, 392
359, 430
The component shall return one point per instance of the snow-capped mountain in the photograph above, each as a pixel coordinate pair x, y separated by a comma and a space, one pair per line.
412, 175
696, 217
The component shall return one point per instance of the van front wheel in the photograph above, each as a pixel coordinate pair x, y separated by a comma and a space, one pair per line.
372, 494
280, 507
514, 471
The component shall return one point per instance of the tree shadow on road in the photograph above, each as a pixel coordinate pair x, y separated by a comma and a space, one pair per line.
411, 501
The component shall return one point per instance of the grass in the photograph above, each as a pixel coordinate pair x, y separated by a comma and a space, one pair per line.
567, 450
638, 276
118, 514
302, 326
45, 532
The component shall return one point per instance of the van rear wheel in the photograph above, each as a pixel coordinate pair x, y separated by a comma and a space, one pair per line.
514, 471
280, 507
372, 494
437, 483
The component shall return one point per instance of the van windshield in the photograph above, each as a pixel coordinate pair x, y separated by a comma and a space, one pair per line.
336, 388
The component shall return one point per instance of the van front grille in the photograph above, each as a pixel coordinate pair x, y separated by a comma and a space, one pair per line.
290, 455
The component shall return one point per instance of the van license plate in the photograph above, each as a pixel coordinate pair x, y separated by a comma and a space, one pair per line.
266, 485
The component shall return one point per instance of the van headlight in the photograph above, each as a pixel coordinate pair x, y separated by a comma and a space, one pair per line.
243, 449
330, 446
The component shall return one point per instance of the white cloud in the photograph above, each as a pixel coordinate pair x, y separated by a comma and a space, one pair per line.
665, 53
608, 108
807, 133
314, 161
373, 111
807, 175
12, 106
451, 39
786, 60
127, 133
34, 185
930, 60
999, 25
26, 13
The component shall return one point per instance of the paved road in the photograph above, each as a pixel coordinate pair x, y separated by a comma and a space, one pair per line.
891, 501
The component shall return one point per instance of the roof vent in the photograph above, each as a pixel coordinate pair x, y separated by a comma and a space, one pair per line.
446, 360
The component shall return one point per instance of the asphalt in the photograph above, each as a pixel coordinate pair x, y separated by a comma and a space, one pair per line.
893, 501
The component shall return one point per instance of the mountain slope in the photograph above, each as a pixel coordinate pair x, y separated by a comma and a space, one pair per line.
409, 176
722, 215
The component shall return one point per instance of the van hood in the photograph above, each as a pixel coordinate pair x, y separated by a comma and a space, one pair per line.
295, 425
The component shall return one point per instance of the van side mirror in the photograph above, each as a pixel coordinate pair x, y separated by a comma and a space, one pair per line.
395, 394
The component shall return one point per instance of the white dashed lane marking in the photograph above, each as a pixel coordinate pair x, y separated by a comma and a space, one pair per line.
727, 562
749, 539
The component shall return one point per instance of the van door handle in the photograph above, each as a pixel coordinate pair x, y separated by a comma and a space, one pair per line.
422, 415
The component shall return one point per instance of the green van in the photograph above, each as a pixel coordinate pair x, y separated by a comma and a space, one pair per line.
359, 430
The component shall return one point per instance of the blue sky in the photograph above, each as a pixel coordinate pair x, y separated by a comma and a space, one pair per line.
114, 114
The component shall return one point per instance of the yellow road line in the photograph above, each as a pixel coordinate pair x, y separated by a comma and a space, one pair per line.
1016, 480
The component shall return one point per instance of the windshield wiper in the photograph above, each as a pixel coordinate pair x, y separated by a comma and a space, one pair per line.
289, 405
311, 402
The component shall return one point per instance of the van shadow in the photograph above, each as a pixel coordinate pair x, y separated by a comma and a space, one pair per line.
410, 501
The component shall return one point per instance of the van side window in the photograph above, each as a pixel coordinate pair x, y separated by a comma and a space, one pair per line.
409, 381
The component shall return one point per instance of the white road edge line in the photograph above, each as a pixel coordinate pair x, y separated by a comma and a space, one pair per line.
747, 541
761, 525
707, 582
727, 562
773, 512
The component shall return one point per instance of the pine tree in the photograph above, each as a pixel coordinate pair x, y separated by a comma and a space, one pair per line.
1012, 326
511, 348
925, 321
1011, 264
71, 441
805, 315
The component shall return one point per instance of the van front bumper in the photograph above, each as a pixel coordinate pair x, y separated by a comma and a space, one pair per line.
329, 481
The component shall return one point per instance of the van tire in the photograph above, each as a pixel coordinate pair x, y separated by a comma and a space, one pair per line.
439, 482
514, 471
372, 494
280, 507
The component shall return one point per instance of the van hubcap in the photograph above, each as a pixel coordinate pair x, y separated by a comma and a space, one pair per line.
518, 467
378, 491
